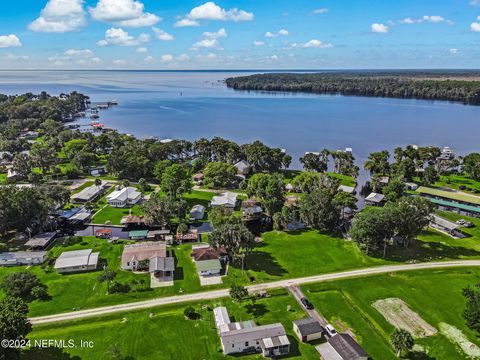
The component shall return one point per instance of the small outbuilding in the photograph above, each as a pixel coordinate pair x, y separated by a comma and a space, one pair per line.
76, 261
40, 241
307, 329
138, 234
197, 212
375, 199
347, 189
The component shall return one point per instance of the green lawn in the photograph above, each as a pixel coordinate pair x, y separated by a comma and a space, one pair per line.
297, 254
83, 186
114, 215
3, 178
435, 295
163, 333
454, 181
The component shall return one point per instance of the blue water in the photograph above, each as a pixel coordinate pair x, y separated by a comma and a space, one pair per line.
190, 105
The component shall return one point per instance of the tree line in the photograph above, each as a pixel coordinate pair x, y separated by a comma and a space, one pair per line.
391, 85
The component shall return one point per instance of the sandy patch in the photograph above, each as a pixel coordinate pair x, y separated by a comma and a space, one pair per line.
210, 280
397, 313
457, 337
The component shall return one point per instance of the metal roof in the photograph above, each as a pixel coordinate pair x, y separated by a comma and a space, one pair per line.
76, 258
455, 205
206, 265
451, 195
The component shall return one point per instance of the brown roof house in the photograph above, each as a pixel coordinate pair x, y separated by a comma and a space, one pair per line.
153, 257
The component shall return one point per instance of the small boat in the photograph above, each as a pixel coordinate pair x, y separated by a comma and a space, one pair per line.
94, 116
114, 102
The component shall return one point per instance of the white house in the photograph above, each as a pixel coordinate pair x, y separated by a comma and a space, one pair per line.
22, 258
124, 197
243, 168
76, 261
245, 337
227, 200
197, 212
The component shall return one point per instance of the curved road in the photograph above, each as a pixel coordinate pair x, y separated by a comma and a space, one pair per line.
215, 294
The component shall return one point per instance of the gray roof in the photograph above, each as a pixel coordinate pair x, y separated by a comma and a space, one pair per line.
375, 197
444, 223
253, 333
75, 258
347, 189
88, 193
159, 263
308, 326
41, 240
347, 347
13, 256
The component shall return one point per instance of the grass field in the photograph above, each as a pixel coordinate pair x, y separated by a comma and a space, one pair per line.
435, 295
167, 335
163, 333
454, 181
114, 215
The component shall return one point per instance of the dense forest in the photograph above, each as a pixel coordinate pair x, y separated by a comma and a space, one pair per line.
448, 87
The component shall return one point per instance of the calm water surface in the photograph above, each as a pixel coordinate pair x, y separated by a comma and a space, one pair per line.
190, 105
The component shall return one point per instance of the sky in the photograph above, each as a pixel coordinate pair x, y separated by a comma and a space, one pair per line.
239, 34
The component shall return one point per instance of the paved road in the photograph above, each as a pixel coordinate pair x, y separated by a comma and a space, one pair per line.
215, 294
313, 313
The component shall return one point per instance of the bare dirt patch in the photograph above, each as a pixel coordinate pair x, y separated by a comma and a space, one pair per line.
397, 313
457, 337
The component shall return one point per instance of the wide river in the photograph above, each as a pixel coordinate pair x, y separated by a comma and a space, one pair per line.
190, 105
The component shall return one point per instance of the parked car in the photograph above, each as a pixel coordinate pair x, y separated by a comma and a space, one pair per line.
330, 330
308, 305
465, 223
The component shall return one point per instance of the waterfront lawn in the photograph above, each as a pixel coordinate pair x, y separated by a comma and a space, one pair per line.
436, 295
454, 181
163, 332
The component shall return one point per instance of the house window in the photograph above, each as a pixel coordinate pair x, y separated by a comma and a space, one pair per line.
233, 345
128, 263
246, 343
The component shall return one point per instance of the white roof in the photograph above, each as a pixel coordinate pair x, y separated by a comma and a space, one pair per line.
76, 258
124, 194
447, 224
241, 165
226, 199
375, 197
88, 193
11, 256
347, 189
289, 187
327, 352
221, 316
199, 208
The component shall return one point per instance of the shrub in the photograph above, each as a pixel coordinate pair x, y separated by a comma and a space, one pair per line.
190, 313
117, 287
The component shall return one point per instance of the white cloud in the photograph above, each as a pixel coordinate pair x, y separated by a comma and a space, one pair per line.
207, 44
320, 11
119, 62
148, 59
379, 28
258, 43
59, 16
162, 35
186, 22
12, 57
211, 11
166, 58
11, 40
221, 33
274, 57
314, 43
475, 26
184, 57
453, 51
281, 32
408, 20
77, 56
141, 50
433, 18
128, 13
475, 2
118, 36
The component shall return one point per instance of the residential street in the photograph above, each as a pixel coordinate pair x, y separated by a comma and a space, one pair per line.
215, 294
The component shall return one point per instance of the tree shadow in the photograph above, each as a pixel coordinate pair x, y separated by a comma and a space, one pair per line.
424, 251
256, 310
178, 273
51, 353
418, 355
264, 262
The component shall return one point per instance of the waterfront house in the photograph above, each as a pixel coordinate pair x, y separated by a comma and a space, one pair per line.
246, 337
40, 241
226, 200
347, 189
251, 209
198, 178
243, 167
127, 196
307, 329
342, 347
197, 212
22, 258
89, 194
76, 261
374, 199
153, 256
